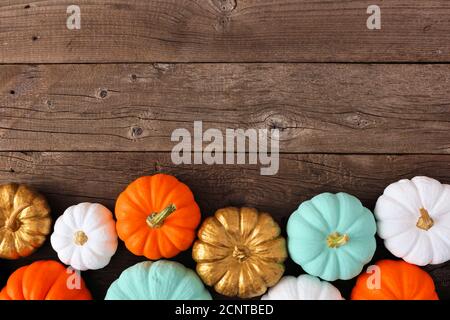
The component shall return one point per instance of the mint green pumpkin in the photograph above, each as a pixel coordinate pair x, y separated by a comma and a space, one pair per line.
160, 280
332, 236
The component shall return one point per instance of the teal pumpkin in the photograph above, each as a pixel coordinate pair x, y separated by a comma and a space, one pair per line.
160, 280
332, 236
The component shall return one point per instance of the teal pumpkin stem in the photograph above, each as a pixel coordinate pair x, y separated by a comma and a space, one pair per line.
156, 219
336, 240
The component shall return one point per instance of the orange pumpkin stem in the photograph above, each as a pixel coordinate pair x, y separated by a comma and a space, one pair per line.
156, 219
425, 222
336, 240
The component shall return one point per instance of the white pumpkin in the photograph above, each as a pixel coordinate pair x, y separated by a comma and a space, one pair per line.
85, 236
414, 220
304, 287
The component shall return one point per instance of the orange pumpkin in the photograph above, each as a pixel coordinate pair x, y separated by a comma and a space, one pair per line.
44, 280
157, 216
397, 280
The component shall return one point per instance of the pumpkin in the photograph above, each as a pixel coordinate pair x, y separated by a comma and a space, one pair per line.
304, 287
240, 252
85, 236
414, 220
44, 280
157, 216
24, 221
394, 280
332, 236
160, 280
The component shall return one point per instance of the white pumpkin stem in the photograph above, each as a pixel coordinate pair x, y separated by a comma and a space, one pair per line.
336, 240
156, 219
425, 222
80, 238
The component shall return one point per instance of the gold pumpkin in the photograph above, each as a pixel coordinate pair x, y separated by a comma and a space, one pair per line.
24, 221
240, 252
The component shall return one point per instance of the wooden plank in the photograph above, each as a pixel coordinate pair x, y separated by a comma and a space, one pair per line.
101, 176
223, 31
320, 108
70, 177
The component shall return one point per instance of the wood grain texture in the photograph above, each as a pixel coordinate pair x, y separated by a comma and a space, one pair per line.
318, 108
223, 31
67, 178
83, 113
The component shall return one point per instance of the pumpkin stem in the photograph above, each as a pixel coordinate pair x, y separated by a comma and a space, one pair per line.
425, 222
240, 253
12, 223
336, 240
156, 219
80, 238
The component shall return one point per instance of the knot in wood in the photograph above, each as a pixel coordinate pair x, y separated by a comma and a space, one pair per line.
225, 5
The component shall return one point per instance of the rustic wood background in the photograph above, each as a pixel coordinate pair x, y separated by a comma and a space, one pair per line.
83, 113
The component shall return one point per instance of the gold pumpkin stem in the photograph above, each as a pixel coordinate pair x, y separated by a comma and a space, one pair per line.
240, 253
425, 222
156, 219
336, 240
80, 238
12, 223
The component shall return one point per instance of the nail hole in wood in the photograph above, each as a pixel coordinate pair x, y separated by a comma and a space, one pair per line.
12, 92
27, 6
35, 38
136, 132
103, 93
